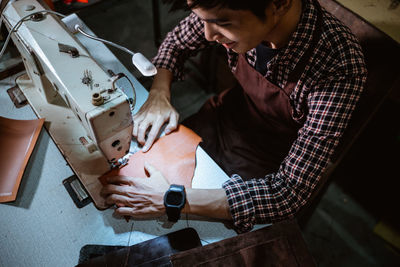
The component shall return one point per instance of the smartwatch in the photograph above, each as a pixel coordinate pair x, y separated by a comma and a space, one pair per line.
174, 201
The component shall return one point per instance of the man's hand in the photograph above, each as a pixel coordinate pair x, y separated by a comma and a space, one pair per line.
139, 197
156, 111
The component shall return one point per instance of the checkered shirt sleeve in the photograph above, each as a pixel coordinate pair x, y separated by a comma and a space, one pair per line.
185, 40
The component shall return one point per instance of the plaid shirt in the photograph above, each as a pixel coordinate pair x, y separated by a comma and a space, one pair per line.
326, 94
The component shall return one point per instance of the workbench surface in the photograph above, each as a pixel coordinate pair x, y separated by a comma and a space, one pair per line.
43, 227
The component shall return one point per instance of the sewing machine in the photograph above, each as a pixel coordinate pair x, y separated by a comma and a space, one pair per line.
87, 115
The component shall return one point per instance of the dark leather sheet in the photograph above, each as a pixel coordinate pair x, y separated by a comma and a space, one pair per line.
17, 140
280, 244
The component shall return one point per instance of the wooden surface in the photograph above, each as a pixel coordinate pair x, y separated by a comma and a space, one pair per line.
383, 14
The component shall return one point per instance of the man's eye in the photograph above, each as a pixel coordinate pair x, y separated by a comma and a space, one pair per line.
224, 24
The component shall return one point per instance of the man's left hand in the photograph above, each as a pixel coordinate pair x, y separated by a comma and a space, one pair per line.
139, 197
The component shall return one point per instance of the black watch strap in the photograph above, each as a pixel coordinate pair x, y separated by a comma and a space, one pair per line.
173, 210
173, 214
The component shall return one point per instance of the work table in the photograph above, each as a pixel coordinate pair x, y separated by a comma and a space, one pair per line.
43, 227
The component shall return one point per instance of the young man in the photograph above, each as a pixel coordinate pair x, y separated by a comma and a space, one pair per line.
300, 73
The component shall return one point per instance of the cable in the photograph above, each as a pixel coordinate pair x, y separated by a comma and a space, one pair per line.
141, 63
19, 23
78, 28
122, 75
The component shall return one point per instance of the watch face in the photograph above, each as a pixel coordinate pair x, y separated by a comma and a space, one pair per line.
174, 198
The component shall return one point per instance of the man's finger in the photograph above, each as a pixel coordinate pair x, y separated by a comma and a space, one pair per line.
135, 128
172, 124
134, 212
124, 211
136, 124
152, 135
120, 180
113, 189
141, 137
117, 199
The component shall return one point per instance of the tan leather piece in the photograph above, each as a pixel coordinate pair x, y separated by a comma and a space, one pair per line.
174, 155
17, 140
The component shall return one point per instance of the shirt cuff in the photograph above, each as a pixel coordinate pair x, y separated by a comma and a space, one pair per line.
240, 204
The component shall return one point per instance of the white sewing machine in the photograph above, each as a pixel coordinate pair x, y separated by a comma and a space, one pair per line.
87, 115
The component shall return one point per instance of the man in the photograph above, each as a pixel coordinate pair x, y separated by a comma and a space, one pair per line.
300, 73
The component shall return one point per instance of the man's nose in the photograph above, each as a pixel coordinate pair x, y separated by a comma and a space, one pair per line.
210, 32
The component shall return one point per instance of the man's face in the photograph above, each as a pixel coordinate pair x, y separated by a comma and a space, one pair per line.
239, 30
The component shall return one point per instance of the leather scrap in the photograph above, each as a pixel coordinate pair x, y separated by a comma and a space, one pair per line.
17, 140
174, 155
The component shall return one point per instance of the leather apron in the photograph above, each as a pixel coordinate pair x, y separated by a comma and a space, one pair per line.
249, 129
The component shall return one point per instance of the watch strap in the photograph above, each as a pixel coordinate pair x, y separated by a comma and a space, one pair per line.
174, 212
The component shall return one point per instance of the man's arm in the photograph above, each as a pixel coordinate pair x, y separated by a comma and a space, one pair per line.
207, 202
183, 41
142, 197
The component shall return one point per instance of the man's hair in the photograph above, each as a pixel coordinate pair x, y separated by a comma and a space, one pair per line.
257, 7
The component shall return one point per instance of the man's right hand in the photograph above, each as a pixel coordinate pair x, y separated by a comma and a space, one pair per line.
156, 111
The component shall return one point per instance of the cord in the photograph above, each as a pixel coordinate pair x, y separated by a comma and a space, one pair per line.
122, 75
19, 23
140, 62
78, 28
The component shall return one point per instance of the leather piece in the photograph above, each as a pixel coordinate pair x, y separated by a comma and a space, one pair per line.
174, 155
153, 252
280, 244
17, 140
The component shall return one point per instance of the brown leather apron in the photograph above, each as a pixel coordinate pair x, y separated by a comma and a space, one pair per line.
249, 129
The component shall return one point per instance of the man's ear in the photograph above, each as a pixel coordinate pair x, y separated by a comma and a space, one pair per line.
281, 6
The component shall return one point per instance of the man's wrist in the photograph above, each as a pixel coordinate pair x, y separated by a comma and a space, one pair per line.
162, 82
207, 202
160, 91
